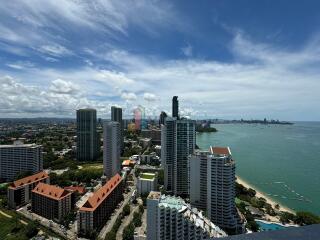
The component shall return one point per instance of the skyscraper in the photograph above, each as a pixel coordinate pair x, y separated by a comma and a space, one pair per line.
175, 107
116, 116
87, 137
111, 148
212, 187
162, 118
171, 218
178, 140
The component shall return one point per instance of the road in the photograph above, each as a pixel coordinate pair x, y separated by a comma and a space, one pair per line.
108, 226
68, 234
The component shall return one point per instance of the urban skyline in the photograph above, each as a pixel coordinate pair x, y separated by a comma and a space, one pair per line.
225, 61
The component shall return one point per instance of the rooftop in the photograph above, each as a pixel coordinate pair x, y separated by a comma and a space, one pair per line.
78, 189
50, 191
99, 196
190, 213
20, 145
147, 176
220, 150
29, 180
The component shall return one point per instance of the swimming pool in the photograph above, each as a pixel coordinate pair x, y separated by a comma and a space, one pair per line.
269, 226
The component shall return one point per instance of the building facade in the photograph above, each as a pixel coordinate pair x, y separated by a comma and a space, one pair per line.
175, 107
146, 183
178, 140
221, 189
170, 218
116, 116
198, 179
19, 192
162, 118
87, 137
19, 157
51, 202
111, 148
98, 208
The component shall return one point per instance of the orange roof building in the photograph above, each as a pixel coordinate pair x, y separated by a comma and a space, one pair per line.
50, 201
98, 208
19, 192
220, 150
80, 189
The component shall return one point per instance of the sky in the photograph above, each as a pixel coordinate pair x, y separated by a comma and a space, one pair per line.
224, 59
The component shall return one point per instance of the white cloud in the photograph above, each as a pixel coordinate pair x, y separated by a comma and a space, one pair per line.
150, 97
187, 50
60, 86
55, 50
129, 96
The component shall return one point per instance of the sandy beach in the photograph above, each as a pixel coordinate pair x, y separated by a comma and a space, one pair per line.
265, 196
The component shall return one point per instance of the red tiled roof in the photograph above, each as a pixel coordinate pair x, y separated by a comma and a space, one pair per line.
50, 191
30, 179
78, 189
99, 196
220, 150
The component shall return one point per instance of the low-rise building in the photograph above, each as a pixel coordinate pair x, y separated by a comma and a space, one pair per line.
146, 183
98, 208
19, 192
50, 201
171, 218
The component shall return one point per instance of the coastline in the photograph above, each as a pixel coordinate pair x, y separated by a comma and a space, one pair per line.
263, 195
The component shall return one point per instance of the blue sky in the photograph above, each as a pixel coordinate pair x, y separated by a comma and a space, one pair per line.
224, 59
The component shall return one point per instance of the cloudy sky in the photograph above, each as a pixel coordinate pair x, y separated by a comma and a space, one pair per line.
223, 58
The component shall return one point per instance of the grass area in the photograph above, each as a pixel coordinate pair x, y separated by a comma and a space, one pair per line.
147, 175
91, 166
13, 229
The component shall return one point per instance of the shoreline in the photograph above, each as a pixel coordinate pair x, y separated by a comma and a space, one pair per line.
265, 196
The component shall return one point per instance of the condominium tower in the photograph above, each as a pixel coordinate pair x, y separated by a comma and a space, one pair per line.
18, 158
175, 107
116, 116
171, 218
111, 148
87, 137
212, 187
178, 139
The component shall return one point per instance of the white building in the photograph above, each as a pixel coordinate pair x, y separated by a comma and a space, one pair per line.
18, 158
111, 148
171, 218
146, 183
212, 187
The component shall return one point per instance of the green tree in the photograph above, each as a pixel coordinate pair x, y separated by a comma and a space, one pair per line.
128, 232
111, 235
306, 218
126, 210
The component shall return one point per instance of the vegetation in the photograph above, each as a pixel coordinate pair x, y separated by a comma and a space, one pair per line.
111, 235
202, 129
126, 210
128, 231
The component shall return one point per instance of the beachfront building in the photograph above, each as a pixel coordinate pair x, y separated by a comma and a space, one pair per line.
98, 208
212, 187
146, 183
198, 179
87, 136
18, 158
111, 148
50, 201
178, 140
170, 217
19, 192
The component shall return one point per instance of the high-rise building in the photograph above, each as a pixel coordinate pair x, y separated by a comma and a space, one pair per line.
87, 136
175, 107
18, 158
146, 183
171, 218
162, 118
116, 116
111, 148
178, 140
96, 211
212, 187
198, 179
19, 192
50, 201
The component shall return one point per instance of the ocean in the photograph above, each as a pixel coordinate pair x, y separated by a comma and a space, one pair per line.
282, 161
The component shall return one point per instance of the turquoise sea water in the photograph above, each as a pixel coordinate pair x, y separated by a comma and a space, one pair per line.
282, 161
